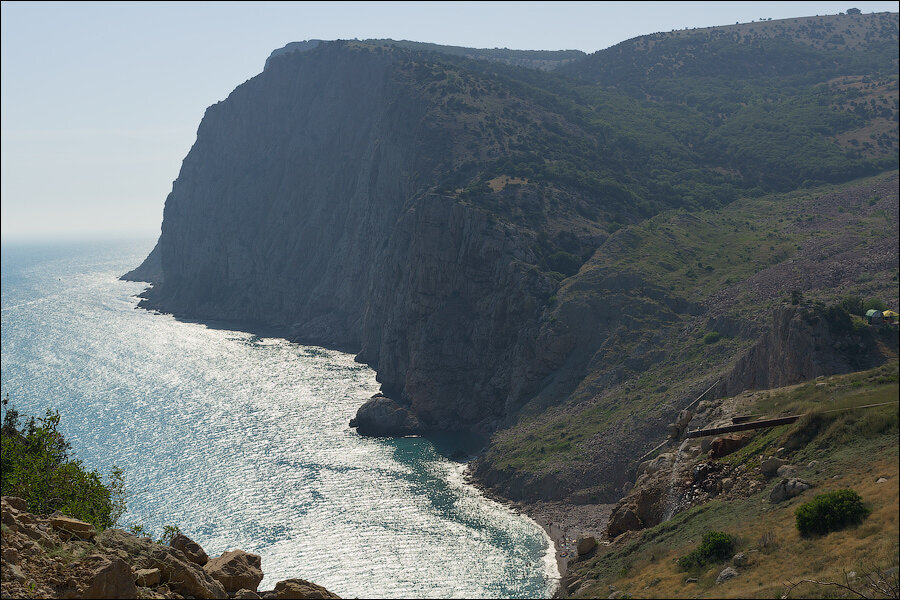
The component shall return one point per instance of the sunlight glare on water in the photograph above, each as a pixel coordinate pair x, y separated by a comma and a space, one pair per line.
242, 441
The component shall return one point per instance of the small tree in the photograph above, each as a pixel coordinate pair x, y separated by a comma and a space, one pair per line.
37, 468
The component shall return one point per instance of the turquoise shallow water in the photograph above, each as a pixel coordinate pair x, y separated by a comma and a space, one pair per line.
242, 440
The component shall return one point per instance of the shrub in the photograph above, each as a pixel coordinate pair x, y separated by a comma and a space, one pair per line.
36, 467
564, 262
711, 338
715, 547
874, 303
830, 512
853, 305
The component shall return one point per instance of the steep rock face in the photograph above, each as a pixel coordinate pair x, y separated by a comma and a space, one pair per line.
802, 343
305, 204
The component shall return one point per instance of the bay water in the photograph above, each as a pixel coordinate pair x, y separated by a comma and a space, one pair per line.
241, 439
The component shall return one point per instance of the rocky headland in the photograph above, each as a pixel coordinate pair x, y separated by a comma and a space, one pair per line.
61, 557
563, 261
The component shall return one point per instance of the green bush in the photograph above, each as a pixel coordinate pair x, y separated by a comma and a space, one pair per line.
711, 338
853, 305
564, 262
874, 303
830, 512
36, 467
715, 547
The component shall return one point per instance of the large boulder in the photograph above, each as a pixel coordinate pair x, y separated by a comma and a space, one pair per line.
382, 416
69, 528
585, 545
722, 446
190, 548
110, 579
623, 518
770, 466
236, 570
300, 588
15, 502
147, 577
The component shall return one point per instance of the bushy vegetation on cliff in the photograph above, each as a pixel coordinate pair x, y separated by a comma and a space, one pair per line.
37, 466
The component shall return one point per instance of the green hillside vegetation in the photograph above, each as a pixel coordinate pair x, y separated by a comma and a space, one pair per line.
772, 95
658, 345
853, 449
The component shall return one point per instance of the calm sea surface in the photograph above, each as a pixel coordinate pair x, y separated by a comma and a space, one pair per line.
242, 440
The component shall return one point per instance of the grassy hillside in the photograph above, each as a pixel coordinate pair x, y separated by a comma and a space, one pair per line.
855, 449
666, 308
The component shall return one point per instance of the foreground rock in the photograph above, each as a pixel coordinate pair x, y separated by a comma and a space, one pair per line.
236, 570
190, 548
299, 588
72, 528
61, 557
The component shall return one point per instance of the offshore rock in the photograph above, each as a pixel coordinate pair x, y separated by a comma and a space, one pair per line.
382, 416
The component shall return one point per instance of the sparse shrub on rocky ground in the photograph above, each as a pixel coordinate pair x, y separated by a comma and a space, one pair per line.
830, 512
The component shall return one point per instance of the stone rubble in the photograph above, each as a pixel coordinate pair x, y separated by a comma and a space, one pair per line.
62, 557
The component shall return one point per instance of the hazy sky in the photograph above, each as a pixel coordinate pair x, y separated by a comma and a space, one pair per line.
101, 101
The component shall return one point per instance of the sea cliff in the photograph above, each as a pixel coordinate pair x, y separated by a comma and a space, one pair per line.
560, 261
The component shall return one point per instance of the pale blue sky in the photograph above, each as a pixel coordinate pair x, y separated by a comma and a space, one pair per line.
101, 101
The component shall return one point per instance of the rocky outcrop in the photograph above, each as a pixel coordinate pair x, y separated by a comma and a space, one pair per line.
802, 343
41, 559
236, 570
110, 579
382, 416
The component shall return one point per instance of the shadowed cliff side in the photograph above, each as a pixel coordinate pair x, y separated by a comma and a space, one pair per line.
305, 204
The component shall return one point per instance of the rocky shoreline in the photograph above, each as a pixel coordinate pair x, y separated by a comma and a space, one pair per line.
566, 524
62, 557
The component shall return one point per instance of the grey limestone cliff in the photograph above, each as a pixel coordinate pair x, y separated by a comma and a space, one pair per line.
308, 203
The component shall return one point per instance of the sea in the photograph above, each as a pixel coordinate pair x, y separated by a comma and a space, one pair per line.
241, 439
